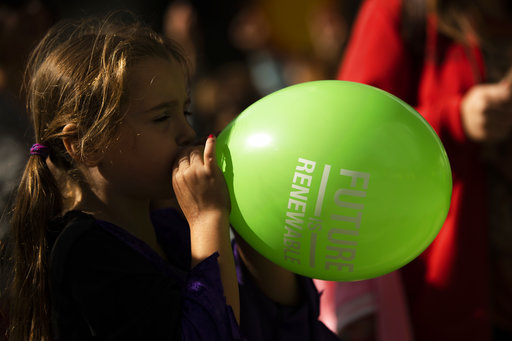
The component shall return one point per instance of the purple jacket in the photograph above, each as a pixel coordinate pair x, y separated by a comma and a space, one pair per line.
106, 284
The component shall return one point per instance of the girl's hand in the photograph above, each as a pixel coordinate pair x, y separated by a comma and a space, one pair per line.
203, 197
202, 194
199, 185
486, 112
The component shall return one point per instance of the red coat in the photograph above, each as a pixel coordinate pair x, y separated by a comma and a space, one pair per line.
447, 285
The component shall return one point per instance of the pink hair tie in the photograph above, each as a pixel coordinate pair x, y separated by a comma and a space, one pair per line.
39, 149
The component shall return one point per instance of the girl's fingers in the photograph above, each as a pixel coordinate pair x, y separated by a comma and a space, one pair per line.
196, 155
183, 161
188, 156
209, 152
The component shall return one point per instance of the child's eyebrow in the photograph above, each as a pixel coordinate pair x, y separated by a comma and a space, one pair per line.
164, 105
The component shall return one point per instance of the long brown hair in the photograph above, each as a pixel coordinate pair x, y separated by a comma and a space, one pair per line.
75, 75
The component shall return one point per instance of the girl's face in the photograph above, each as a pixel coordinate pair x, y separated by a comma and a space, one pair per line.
155, 129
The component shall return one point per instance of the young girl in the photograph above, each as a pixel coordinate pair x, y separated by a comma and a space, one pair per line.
96, 256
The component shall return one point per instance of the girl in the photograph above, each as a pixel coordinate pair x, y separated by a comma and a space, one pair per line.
109, 104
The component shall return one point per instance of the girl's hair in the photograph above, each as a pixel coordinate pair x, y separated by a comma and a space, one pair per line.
77, 75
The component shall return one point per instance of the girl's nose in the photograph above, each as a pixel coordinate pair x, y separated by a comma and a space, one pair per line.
186, 135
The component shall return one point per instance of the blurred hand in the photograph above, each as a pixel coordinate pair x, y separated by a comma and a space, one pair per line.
486, 112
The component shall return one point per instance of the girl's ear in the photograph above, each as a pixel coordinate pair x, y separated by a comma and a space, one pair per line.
69, 140
70, 143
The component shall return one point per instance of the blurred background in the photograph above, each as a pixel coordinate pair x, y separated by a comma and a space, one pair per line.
240, 50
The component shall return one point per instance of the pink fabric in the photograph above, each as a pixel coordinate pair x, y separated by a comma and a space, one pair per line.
344, 302
327, 303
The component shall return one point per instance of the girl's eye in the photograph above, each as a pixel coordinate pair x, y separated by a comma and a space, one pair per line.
187, 113
162, 118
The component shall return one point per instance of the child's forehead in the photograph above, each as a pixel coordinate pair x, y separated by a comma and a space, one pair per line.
150, 68
156, 78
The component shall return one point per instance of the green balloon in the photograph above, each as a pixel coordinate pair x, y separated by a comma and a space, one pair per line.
335, 180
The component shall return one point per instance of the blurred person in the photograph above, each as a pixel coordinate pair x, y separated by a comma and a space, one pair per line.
250, 31
220, 82
449, 59
304, 45
213, 19
180, 23
329, 27
221, 95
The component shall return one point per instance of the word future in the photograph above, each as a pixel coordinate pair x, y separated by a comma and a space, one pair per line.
340, 252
